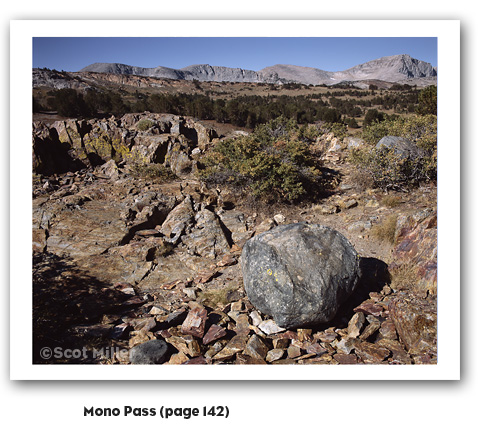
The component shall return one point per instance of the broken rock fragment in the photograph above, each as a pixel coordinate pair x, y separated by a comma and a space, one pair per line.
194, 324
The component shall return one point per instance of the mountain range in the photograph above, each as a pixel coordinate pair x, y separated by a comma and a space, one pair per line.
396, 68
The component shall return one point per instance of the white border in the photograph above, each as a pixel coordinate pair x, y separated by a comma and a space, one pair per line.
448, 34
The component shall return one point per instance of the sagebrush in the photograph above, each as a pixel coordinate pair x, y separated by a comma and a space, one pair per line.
274, 163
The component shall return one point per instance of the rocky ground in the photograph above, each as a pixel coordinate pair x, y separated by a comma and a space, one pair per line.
130, 260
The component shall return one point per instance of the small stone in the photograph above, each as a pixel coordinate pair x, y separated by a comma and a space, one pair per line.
193, 348
194, 324
374, 325
214, 333
350, 203
148, 232
197, 360
235, 345
326, 337
246, 359
265, 226
171, 285
388, 330
178, 358
178, 343
293, 351
124, 287
237, 306
304, 357
399, 355
143, 324
190, 292
234, 315
150, 352
274, 354
314, 348
242, 325
370, 353
369, 308
279, 218
256, 318
173, 319
157, 309
110, 318
304, 334
345, 345
281, 343
204, 277
216, 347
345, 358
270, 327
386, 290
139, 337
134, 301
120, 331
256, 348
355, 324
226, 261
376, 296
323, 359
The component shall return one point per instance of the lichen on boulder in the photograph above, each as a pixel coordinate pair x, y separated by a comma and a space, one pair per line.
299, 273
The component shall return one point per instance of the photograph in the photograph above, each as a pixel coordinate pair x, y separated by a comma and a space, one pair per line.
204, 200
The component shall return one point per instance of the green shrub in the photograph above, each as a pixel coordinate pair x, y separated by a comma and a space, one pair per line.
427, 101
271, 164
145, 124
152, 171
338, 129
419, 129
387, 168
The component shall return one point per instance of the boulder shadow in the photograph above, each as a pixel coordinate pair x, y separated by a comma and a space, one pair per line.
374, 276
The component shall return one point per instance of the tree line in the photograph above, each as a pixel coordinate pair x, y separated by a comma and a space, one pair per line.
243, 111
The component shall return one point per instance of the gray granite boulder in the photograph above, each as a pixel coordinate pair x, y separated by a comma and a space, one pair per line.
299, 273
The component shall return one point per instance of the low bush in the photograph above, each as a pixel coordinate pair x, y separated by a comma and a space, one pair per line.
389, 169
152, 171
274, 163
145, 124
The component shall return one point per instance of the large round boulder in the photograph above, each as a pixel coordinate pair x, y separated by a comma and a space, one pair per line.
299, 273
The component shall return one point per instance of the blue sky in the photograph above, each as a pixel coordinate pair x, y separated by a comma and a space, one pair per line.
332, 54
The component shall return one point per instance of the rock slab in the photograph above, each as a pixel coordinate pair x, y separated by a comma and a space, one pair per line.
299, 273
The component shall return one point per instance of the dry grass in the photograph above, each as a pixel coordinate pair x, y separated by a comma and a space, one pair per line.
404, 277
386, 230
391, 201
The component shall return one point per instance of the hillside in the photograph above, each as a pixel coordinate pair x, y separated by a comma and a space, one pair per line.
137, 250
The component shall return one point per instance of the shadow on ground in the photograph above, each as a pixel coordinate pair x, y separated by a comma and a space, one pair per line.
64, 298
